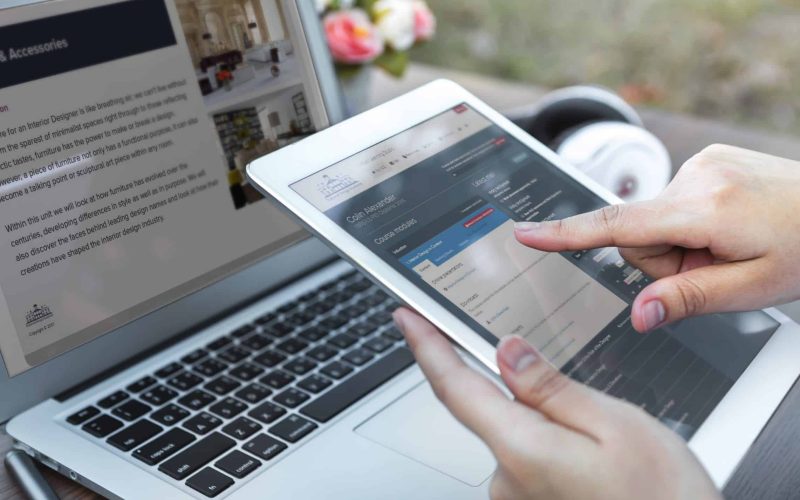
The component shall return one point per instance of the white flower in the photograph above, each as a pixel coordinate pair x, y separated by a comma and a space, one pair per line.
395, 22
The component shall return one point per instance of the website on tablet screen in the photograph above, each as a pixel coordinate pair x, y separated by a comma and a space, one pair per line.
438, 203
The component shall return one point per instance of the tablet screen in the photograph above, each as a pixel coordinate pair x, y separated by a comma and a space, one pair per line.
438, 203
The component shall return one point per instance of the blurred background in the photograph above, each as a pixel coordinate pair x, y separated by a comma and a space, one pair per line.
736, 61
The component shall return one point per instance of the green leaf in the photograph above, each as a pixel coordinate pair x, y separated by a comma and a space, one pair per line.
393, 62
366, 5
348, 71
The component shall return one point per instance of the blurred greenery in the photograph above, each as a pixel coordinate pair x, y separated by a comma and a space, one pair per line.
735, 60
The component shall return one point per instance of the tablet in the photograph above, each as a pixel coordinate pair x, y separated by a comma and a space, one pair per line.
422, 194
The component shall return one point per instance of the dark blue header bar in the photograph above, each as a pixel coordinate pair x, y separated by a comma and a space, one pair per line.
46, 47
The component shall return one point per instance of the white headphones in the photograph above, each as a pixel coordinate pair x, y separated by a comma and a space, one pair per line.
603, 136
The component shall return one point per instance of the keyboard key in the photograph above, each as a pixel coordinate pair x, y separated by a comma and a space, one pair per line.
241, 428
219, 343
378, 344
234, 354
184, 381
393, 334
237, 464
300, 366
222, 385
131, 437
163, 446
322, 353
276, 379
209, 482
361, 329
102, 426
243, 331
355, 310
194, 356
321, 307
82, 416
362, 383
159, 395
228, 408
210, 367
169, 370
315, 383
197, 399
337, 370
141, 384
267, 318
279, 329
300, 318
202, 423
113, 399
291, 397
292, 346
334, 322
169, 415
267, 412
358, 356
264, 447
131, 410
381, 318
246, 372
313, 334
342, 341
293, 428
257, 342
197, 455
269, 358
253, 393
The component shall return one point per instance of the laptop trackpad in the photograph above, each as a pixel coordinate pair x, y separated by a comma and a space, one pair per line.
419, 427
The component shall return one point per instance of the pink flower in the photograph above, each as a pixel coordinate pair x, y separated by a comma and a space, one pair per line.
424, 21
351, 37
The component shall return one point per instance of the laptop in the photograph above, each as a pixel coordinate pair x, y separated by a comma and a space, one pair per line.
165, 331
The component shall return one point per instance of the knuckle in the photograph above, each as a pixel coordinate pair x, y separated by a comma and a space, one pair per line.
549, 384
691, 296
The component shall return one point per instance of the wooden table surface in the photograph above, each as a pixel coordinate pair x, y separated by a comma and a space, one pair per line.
771, 469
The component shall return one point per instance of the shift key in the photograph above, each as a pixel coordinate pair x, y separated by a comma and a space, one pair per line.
196, 456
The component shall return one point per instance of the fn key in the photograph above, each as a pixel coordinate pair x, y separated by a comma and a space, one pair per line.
209, 482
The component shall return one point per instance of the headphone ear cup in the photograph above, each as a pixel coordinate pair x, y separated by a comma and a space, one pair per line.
562, 110
625, 159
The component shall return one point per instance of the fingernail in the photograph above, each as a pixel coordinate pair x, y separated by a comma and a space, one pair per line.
524, 227
398, 321
653, 314
515, 353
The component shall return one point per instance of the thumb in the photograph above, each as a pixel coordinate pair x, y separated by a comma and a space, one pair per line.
537, 384
715, 288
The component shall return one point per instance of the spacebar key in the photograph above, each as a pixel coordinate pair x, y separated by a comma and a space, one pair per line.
196, 456
359, 385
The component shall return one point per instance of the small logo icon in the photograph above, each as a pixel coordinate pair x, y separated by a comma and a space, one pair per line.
37, 314
330, 186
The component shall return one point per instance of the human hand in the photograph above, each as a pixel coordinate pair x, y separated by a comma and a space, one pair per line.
723, 236
558, 439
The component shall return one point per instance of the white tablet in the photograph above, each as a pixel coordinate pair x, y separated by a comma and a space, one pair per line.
422, 192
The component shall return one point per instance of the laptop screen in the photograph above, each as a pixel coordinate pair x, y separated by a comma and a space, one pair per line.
125, 128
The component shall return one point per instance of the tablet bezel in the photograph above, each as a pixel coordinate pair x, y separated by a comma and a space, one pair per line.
720, 442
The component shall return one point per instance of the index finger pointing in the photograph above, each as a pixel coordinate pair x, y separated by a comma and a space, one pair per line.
471, 398
641, 224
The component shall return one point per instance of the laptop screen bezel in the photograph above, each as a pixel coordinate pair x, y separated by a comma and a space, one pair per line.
264, 273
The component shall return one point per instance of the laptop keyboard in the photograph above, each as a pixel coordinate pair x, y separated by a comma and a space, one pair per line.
221, 412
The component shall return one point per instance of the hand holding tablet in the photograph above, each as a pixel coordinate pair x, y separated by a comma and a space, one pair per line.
423, 194
557, 439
